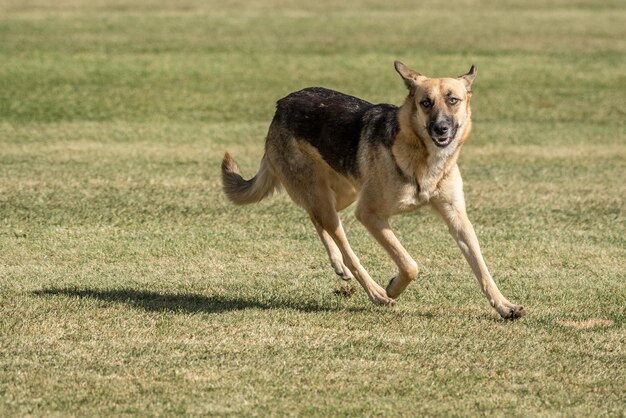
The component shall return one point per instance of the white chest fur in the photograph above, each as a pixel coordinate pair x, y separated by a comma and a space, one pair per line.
436, 164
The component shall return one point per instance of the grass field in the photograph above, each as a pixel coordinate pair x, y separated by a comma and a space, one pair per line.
130, 286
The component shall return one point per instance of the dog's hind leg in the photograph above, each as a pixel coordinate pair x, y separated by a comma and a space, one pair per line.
307, 179
326, 218
343, 195
379, 228
334, 254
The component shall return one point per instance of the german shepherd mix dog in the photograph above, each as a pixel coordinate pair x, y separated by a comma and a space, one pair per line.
328, 149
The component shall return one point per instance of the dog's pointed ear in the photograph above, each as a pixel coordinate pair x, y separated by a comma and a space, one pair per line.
409, 76
468, 79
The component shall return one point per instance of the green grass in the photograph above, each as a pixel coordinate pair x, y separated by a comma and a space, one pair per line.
130, 286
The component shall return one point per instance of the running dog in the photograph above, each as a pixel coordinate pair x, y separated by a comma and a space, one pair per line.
329, 149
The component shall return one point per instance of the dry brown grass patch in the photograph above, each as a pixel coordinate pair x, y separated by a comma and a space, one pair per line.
586, 324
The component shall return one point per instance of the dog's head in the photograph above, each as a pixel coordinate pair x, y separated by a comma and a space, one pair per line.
441, 105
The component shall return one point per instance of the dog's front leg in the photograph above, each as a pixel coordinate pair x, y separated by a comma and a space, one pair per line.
450, 203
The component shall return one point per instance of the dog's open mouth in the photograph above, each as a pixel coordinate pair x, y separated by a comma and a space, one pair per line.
443, 141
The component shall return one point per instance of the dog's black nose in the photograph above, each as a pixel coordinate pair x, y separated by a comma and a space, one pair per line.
439, 128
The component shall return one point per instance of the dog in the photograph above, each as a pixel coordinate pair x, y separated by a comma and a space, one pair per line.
328, 150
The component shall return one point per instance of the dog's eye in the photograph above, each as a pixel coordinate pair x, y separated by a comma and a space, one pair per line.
453, 100
426, 104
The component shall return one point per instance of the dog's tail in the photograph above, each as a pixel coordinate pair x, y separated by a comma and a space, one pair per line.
241, 191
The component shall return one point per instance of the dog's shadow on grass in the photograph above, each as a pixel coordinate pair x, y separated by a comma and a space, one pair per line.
186, 302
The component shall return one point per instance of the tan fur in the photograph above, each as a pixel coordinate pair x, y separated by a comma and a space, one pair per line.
429, 176
241, 191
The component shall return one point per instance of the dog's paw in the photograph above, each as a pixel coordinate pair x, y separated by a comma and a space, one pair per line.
396, 286
513, 312
383, 300
378, 295
342, 271
390, 290
346, 274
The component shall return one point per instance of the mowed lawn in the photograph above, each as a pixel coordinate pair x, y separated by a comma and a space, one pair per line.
130, 286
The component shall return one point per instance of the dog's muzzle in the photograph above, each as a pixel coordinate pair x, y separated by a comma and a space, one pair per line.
442, 132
